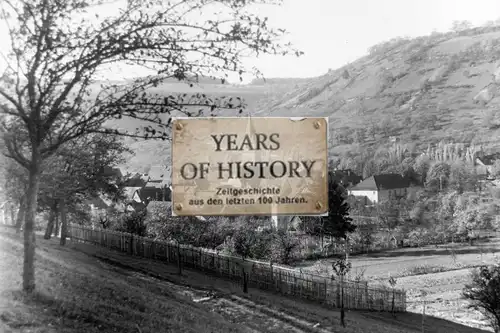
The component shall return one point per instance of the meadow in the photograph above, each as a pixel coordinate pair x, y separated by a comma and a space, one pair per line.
76, 294
434, 274
84, 288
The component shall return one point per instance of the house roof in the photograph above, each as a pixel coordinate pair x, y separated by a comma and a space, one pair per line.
383, 182
345, 177
129, 191
137, 206
159, 173
155, 184
137, 180
110, 172
489, 159
154, 193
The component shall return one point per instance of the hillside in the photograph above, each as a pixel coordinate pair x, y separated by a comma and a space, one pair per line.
422, 90
255, 95
417, 91
76, 293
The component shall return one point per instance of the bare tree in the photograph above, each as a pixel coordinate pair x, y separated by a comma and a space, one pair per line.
49, 85
392, 283
341, 268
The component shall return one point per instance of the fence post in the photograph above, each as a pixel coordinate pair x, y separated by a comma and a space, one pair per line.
271, 273
285, 281
366, 293
326, 291
167, 251
179, 262
403, 301
279, 286
130, 244
245, 280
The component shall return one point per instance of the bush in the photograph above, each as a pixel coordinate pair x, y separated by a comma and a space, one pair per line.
278, 246
284, 247
133, 223
192, 231
484, 293
250, 243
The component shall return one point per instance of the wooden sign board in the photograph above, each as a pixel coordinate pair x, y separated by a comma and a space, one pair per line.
249, 166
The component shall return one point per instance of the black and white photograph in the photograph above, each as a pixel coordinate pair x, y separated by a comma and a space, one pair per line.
249, 166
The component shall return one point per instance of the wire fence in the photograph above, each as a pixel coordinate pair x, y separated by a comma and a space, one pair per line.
260, 275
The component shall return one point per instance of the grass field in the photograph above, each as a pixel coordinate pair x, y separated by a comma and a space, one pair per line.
76, 294
401, 261
443, 288
85, 289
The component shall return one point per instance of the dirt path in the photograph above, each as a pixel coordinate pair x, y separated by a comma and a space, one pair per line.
237, 309
257, 311
256, 318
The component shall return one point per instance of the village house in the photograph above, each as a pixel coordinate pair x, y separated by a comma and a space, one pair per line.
485, 164
137, 180
346, 178
132, 186
140, 189
108, 171
153, 192
383, 187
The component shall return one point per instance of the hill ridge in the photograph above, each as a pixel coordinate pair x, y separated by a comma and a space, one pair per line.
421, 90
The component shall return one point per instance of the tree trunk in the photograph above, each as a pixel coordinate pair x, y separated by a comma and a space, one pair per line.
12, 215
342, 310
393, 303
20, 214
64, 222
50, 224
56, 226
29, 234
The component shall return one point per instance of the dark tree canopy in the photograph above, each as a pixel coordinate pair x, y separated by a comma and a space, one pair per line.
484, 293
337, 224
49, 93
56, 52
77, 170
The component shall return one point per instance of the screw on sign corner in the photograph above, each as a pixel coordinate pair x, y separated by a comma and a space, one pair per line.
178, 207
178, 126
317, 124
319, 205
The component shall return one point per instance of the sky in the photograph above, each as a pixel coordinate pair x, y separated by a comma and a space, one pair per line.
333, 33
